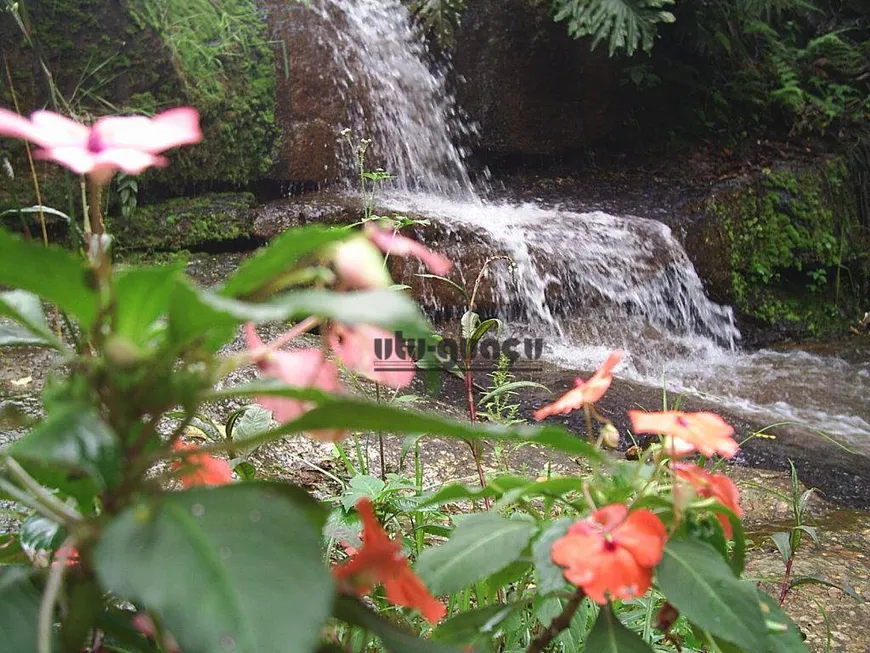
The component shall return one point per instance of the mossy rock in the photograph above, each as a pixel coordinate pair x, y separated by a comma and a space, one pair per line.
790, 250
144, 56
185, 223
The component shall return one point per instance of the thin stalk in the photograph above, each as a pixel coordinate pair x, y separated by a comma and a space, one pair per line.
46, 498
786, 580
381, 452
49, 597
33, 175
26, 500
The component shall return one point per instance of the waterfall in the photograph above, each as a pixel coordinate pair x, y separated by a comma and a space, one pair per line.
394, 98
589, 282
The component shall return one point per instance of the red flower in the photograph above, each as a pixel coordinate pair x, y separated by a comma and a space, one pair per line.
208, 469
716, 486
612, 552
706, 433
380, 561
584, 392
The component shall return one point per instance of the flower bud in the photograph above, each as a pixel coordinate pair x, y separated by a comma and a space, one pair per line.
121, 352
610, 436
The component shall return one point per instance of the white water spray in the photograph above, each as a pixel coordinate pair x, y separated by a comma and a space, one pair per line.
590, 281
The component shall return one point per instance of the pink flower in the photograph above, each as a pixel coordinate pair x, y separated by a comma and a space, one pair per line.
704, 432
584, 392
128, 143
356, 347
390, 242
304, 368
359, 265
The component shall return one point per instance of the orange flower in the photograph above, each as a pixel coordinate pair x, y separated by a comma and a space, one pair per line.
380, 561
208, 469
584, 392
716, 486
704, 432
612, 552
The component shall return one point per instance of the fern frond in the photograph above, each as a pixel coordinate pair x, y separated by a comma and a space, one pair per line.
624, 24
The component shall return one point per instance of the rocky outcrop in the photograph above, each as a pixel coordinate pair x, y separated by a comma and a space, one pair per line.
531, 88
308, 109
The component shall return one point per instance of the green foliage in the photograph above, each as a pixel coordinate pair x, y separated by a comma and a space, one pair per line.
246, 545
219, 50
794, 244
625, 25
184, 223
439, 18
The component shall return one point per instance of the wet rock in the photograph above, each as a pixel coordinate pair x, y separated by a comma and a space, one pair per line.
528, 84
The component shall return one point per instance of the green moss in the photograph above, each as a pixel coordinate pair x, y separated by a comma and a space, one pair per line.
792, 255
186, 223
145, 56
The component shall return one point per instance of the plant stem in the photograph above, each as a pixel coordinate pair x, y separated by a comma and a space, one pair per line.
45, 498
783, 589
26, 500
560, 623
49, 597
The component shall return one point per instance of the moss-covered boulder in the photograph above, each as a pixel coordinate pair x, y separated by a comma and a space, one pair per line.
787, 248
209, 220
92, 57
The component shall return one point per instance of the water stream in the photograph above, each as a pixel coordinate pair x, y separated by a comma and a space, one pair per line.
587, 282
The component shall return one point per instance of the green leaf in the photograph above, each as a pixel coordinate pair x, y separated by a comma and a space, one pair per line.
51, 273
550, 576
351, 611
260, 584
472, 626
72, 439
362, 486
343, 412
455, 285
624, 24
785, 636
141, 296
482, 329
698, 582
32, 328
481, 545
19, 611
202, 314
365, 416
38, 532
253, 422
245, 470
513, 386
277, 257
783, 545
844, 587
608, 635
11, 552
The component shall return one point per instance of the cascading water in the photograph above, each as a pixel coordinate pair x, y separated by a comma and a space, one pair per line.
587, 281
393, 98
